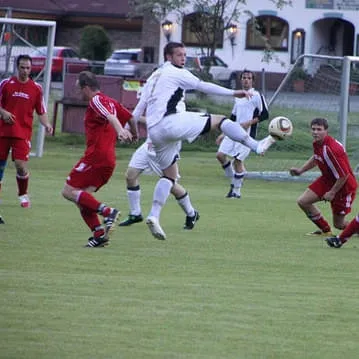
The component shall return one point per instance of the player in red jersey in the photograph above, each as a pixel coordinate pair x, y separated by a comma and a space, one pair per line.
105, 119
337, 183
20, 97
351, 229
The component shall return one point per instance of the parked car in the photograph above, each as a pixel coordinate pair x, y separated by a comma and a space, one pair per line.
213, 66
128, 63
61, 56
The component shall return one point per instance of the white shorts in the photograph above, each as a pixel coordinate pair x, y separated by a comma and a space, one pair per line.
234, 149
144, 159
167, 134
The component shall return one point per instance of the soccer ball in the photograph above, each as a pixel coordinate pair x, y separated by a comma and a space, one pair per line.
280, 127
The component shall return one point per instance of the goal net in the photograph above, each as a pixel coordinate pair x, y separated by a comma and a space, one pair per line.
316, 86
20, 37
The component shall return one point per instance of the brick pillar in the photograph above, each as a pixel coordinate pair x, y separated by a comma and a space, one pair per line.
151, 35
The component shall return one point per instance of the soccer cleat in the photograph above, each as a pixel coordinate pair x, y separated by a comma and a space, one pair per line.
110, 221
319, 233
264, 144
232, 194
334, 242
25, 201
131, 219
1, 220
191, 221
155, 228
94, 242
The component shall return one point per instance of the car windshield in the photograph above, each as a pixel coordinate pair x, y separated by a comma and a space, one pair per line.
212, 61
40, 52
191, 62
130, 56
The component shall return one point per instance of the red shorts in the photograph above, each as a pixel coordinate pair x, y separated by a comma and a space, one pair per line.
342, 202
20, 148
86, 175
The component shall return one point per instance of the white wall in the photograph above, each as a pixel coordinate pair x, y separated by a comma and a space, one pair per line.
298, 16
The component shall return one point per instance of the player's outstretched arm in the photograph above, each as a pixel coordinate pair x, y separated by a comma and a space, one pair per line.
297, 171
133, 129
122, 133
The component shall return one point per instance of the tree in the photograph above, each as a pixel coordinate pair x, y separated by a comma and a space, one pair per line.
95, 43
213, 17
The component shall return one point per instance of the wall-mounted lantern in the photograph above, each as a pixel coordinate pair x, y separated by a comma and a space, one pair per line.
232, 30
167, 28
298, 42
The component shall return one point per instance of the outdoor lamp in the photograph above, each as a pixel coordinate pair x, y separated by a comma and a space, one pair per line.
167, 28
232, 30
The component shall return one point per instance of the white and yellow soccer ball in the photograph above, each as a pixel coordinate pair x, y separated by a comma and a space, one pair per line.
280, 127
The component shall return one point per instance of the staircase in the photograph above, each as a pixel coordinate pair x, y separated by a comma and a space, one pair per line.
326, 80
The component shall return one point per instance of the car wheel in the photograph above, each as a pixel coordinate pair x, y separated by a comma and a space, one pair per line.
233, 82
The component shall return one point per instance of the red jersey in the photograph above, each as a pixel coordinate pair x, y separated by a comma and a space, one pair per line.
333, 162
21, 99
101, 137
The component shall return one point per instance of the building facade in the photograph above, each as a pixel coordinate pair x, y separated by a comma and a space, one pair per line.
326, 27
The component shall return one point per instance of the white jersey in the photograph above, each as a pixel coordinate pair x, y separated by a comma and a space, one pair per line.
145, 97
166, 87
244, 108
144, 158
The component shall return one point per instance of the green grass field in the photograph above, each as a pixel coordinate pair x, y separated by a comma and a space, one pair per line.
245, 283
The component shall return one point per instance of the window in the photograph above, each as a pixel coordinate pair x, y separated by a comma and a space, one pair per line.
270, 29
208, 61
36, 35
149, 54
199, 29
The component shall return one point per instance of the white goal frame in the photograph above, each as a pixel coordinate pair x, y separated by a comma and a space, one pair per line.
51, 25
344, 89
342, 114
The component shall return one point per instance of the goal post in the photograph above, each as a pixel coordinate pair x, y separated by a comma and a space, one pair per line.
315, 86
51, 26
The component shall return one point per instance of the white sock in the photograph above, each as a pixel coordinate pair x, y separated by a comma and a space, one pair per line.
228, 169
237, 181
160, 195
185, 203
237, 133
134, 200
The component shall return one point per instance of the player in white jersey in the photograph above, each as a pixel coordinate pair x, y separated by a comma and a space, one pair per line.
143, 160
1, 220
167, 127
247, 113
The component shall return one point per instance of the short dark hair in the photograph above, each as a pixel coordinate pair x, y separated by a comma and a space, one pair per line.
168, 50
320, 122
245, 71
23, 57
87, 78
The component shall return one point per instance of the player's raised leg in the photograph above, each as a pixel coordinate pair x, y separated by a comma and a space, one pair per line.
236, 133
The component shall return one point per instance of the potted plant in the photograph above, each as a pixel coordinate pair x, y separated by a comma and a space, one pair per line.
298, 77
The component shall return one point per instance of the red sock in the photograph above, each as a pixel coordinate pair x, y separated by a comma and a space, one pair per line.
88, 201
350, 229
22, 183
91, 218
320, 222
